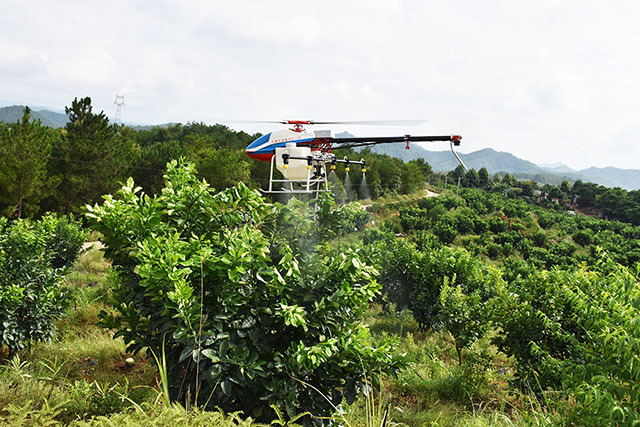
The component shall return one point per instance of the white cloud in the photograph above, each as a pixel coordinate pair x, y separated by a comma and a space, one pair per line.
548, 81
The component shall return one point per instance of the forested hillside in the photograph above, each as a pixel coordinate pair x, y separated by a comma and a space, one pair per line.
60, 170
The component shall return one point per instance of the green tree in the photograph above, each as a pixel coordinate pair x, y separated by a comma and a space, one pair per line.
565, 187
507, 179
471, 178
222, 167
458, 172
241, 315
465, 316
95, 156
32, 295
25, 149
483, 178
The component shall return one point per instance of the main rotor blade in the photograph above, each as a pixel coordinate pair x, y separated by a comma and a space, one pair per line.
372, 122
347, 122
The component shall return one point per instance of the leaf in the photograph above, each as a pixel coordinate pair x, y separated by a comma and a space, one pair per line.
211, 354
224, 346
225, 385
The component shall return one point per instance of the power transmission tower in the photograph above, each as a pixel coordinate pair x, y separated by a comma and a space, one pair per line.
119, 102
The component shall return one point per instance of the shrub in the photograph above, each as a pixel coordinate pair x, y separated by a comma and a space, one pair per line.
337, 221
399, 264
64, 238
240, 315
414, 219
577, 331
493, 250
497, 225
604, 376
457, 267
522, 310
547, 219
465, 316
539, 238
31, 297
465, 223
480, 226
583, 237
445, 229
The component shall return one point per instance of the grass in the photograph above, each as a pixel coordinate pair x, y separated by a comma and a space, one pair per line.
434, 390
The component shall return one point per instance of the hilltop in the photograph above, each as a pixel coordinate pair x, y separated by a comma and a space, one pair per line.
13, 113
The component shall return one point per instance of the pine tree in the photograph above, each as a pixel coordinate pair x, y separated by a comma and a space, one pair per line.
95, 156
25, 149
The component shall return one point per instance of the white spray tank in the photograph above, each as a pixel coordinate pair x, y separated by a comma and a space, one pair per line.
296, 169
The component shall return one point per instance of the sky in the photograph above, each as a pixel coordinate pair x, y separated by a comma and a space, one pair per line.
549, 81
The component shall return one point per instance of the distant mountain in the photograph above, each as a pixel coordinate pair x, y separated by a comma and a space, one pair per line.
502, 162
13, 113
557, 168
494, 161
628, 179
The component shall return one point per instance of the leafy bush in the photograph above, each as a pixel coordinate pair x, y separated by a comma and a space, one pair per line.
445, 229
604, 377
447, 265
493, 250
414, 219
31, 296
465, 222
205, 279
465, 316
578, 331
64, 238
547, 219
399, 264
583, 237
521, 312
539, 238
337, 221
497, 225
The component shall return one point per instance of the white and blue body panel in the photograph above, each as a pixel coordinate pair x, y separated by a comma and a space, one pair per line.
264, 147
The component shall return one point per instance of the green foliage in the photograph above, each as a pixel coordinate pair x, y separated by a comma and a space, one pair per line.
583, 237
95, 156
447, 265
243, 317
529, 310
465, 316
24, 153
399, 264
445, 228
546, 219
606, 374
334, 221
577, 330
64, 238
31, 297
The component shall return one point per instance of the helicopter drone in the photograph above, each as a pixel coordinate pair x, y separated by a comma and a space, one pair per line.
302, 156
